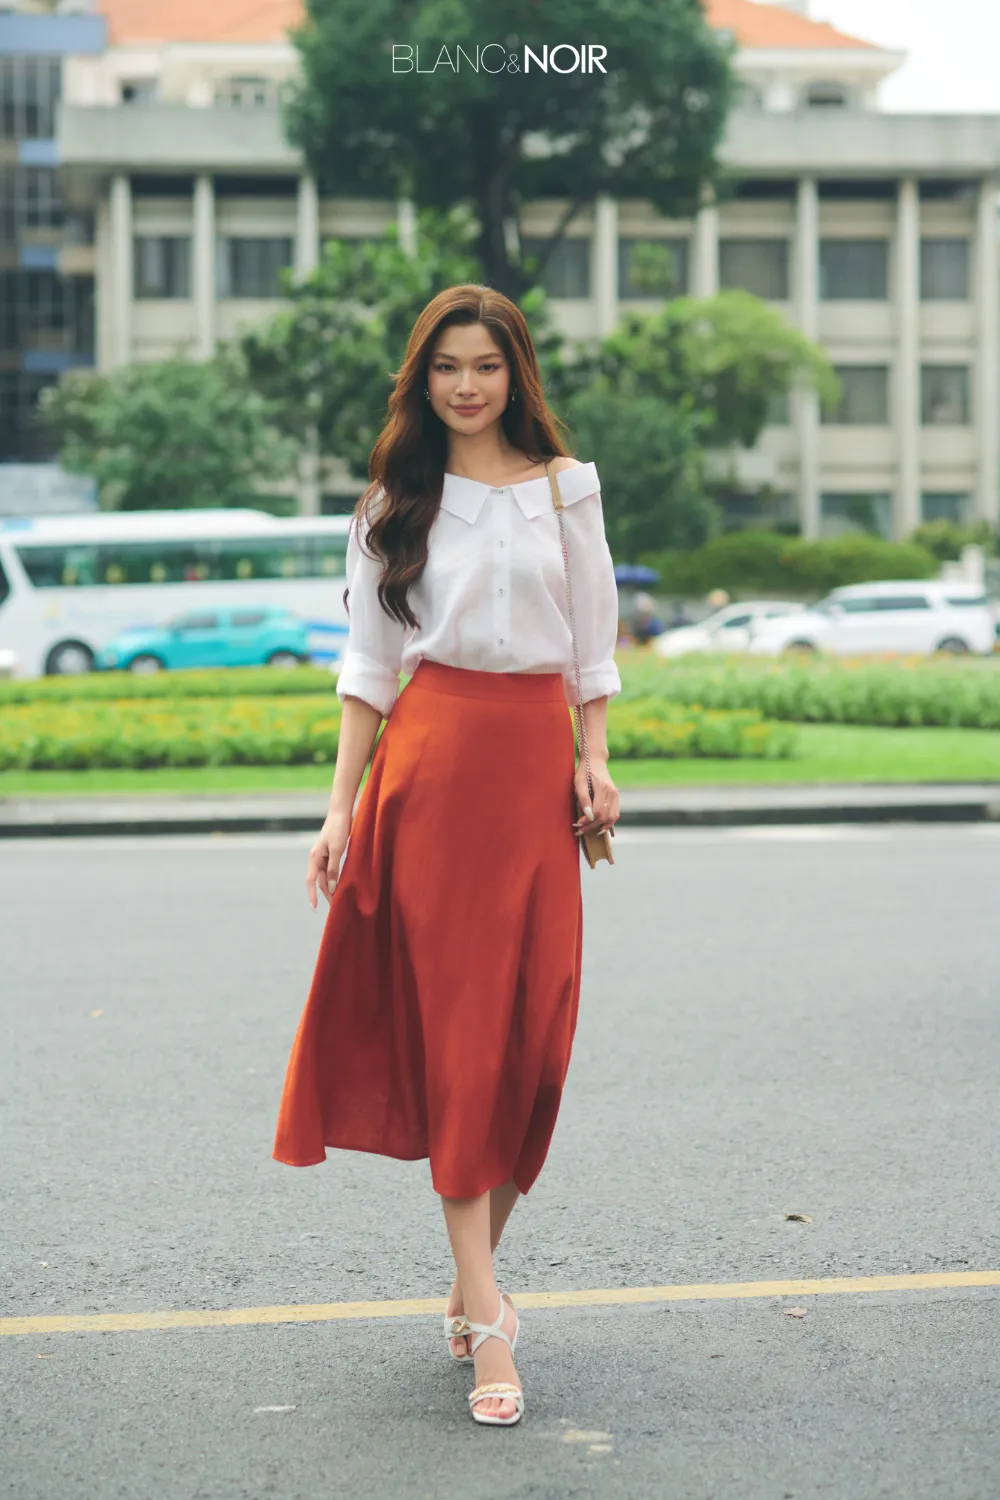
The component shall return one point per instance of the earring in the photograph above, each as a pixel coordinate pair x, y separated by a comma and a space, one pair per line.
513, 396
427, 394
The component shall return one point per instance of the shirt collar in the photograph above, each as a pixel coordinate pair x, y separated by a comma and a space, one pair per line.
465, 498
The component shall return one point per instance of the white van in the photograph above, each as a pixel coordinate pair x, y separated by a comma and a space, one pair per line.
874, 619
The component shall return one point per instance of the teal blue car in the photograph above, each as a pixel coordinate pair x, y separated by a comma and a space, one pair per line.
211, 638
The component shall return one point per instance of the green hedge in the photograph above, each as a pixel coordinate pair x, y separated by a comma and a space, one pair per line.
901, 693
747, 562
229, 682
279, 730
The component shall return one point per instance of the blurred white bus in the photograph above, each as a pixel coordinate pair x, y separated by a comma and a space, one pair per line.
69, 584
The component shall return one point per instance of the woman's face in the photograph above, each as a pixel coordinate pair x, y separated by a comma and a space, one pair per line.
468, 378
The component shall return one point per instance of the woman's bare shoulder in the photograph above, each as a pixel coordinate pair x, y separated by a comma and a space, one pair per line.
563, 462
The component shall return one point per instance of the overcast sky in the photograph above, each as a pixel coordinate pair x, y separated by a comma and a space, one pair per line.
953, 46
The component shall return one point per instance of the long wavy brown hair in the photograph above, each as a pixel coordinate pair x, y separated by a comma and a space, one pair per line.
407, 464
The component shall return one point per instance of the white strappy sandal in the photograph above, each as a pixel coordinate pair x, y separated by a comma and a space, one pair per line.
457, 1326
501, 1390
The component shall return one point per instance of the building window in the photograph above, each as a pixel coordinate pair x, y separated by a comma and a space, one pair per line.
855, 512
758, 266
935, 506
827, 96
778, 410
246, 93
567, 271
29, 92
854, 270
24, 438
652, 268
250, 267
43, 313
864, 397
944, 270
138, 91
944, 395
162, 265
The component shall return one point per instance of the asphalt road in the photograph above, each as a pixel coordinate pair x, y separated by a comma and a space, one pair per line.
773, 1021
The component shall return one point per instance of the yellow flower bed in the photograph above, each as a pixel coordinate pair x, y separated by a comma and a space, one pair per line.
97, 733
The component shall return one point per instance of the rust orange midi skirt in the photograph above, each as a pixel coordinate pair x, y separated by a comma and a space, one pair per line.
444, 1001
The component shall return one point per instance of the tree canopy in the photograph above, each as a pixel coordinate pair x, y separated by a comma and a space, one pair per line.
499, 138
171, 435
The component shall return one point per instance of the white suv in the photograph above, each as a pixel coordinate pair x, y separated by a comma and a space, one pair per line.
728, 629
916, 618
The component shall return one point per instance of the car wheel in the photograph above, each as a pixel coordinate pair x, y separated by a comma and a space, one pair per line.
800, 648
954, 646
284, 659
69, 659
145, 664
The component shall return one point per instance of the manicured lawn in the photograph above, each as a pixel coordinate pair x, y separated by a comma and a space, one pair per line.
826, 753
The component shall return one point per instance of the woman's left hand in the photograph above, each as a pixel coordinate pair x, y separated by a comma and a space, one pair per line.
601, 811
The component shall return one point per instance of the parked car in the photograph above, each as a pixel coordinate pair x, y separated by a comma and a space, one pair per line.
866, 619
211, 638
728, 629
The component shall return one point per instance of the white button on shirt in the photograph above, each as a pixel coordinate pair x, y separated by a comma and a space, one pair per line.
492, 596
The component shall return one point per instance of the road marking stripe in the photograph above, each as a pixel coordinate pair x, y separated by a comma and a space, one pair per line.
418, 1307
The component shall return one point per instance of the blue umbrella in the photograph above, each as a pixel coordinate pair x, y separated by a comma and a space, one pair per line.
634, 575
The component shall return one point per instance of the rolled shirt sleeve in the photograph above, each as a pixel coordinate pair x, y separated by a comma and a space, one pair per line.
595, 600
373, 657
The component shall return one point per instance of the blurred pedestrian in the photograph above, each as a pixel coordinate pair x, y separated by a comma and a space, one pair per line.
444, 1001
645, 622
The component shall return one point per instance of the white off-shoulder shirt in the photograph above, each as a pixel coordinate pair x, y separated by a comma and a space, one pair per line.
492, 596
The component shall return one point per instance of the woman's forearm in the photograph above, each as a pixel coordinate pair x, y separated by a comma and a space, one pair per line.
359, 723
595, 719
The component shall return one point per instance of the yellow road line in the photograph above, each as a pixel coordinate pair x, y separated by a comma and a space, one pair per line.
324, 1312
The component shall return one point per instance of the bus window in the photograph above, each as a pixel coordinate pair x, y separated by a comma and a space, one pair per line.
329, 556
263, 557
150, 562
4, 585
59, 567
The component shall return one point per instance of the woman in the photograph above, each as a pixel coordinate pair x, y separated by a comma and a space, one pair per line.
443, 1006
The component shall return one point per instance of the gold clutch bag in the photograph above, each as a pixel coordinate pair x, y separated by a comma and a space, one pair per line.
596, 845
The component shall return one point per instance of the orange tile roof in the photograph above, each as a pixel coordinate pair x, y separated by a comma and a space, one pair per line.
199, 20
752, 23
757, 25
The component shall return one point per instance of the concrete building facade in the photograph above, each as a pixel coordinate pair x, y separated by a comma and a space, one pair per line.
876, 234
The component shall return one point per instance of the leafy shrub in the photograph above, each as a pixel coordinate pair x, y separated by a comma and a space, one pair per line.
752, 561
230, 682
854, 558
945, 539
948, 693
301, 730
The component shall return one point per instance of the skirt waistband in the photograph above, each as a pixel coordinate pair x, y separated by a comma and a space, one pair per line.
507, 687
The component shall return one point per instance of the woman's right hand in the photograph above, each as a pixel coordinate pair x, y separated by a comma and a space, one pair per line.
326, 853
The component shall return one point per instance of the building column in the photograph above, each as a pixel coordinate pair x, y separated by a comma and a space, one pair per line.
307, 227
103, 288
986, 392
605, 255
406, 224
705, 256
203, 266
907, 509
121, 277
805, 260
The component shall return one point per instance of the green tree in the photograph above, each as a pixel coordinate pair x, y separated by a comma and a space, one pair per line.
172, 435
663, 390
325, 362
731, 355
651, 462
647, 128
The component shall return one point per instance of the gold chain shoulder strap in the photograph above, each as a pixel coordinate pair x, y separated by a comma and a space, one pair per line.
595, 845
